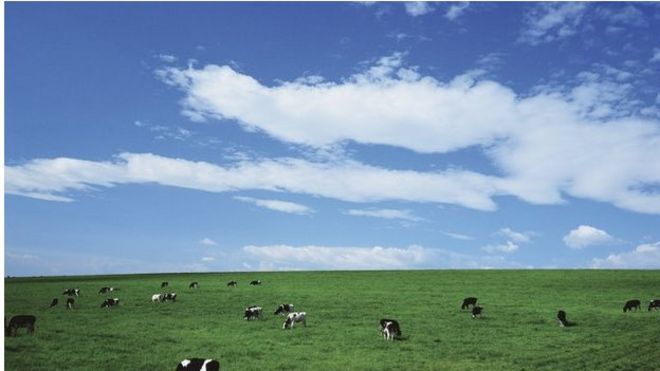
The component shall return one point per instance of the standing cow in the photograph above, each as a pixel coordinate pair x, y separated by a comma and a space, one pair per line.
69, 303
71, 292
655, 303
193, 285
232, 284
108, 303
294, 317
476, 311
255, 283
252, 312
288, 308
164, 284
390, 329
20, 321
469, 301
53, 303
630, 304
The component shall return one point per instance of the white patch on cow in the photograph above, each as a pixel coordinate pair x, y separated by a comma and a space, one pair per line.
185, 362
204, 365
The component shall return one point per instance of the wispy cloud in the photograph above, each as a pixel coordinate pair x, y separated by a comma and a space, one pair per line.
519, 237
546, 22
455, 10
208, 242
585, 236
385, 214
277, 205
644, 256
458, 236
417, 8
507, 247
656, 55
167, 58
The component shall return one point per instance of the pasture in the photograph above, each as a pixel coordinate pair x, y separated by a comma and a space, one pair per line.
518, 331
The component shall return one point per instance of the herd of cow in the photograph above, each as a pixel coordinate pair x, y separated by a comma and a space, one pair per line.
389, 328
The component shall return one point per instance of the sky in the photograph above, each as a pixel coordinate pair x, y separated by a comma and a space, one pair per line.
184, 137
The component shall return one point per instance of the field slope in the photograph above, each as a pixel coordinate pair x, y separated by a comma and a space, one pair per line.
517, 332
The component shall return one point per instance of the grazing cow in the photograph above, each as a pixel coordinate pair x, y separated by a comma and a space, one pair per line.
157, 297
71, 292
655, 303
476, 311
16, 322
53, 303
69, 303
469, 301
390, 329
106, 289
252, 312
563, 322
293, 318
288, 308
110, 303
169, 296
164, 284
232, 283
255, 283
630, 304
198, 364
193, 285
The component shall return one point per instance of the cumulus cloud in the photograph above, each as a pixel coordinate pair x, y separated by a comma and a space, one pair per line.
456, 10
546, 22
313, 257
520, 237
385, 214
208, 242
417, 8
585, 236
507, 247
277, 205
645, 256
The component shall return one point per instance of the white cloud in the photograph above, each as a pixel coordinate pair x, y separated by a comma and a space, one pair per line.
167, 58
385, 214
510, 234
507, 247
277, 205
456, 10
208, 259
458, 236
645, 256
546, 22
313, 257
208, 242
656, 55
585, 235
417, 8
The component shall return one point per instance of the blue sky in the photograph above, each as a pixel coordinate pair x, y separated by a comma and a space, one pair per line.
160, 137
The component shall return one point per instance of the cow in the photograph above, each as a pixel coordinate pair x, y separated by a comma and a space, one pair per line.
198, 364
164, 284
294, 317
630, 304
232, 284
469, 301
255, 282
252, 312
53, 303
71, 292
169, 296
157, 297
563, 322
288, 308
476, 311
106, 289
110, 303
655, 303
390, 329
19, 321
69, 303
193, 285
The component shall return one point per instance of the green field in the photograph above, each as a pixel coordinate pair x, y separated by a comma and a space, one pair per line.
518, 330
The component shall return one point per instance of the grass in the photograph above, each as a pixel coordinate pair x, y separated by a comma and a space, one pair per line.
518, 330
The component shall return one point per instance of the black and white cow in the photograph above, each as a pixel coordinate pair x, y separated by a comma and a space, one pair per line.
252, 312
288, 308
469, 301
71, 292
561, 316
53, 303
476, 311
294, 317
169, 296
106, 289
110, 303
630, 304
390, 329
255, 282
20, 321
157, 298
198, 364
193, 285
655, 303
232, 284
164, 284
69, 303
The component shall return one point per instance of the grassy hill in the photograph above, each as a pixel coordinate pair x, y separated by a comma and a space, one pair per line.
518, 330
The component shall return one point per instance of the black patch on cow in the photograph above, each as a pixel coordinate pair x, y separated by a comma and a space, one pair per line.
53, 303
232, 283
469, 301
655, 303
195, 364
26, 321
476, 311
632, 304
